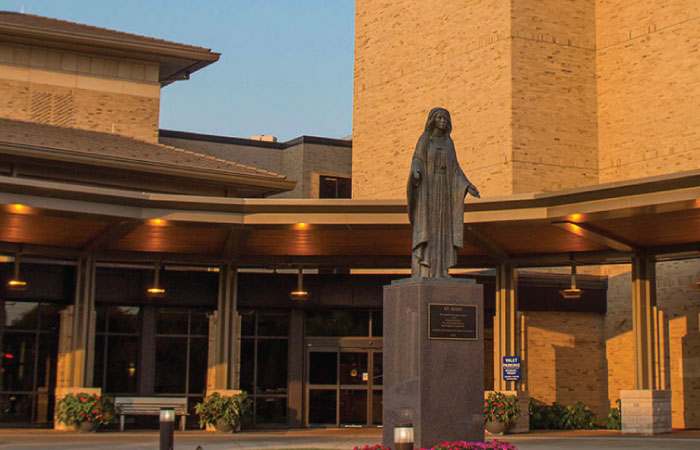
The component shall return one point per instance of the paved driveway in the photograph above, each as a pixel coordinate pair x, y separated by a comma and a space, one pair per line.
325, 439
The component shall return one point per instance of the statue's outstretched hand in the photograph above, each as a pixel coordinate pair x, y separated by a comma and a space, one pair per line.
416, 177
473, 191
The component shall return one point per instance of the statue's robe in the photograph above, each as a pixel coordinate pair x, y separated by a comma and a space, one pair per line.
436, 206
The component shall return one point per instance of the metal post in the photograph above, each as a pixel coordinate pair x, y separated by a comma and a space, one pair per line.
167, 428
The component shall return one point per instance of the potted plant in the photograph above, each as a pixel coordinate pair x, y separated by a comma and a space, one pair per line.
85, 411
500, 411
223, 412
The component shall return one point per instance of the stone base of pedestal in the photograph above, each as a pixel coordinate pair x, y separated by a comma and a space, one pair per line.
522, 425
646, 412
435, 384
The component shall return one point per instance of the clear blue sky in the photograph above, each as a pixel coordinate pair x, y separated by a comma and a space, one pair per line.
285, 66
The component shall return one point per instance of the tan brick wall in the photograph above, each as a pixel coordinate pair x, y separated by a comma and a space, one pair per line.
555, 142
412, 56
649, 87
566, 360
682, 306
81, 91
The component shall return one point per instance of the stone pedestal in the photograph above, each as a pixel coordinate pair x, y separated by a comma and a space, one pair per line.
435, 384
646, 411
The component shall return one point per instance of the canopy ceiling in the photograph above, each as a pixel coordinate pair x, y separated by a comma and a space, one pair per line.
598, 224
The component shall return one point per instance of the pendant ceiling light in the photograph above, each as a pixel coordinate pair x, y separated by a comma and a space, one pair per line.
300, 294
573, 292
15, 283
155, 290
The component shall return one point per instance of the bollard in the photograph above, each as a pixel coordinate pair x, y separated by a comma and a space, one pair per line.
403, 436
167, 428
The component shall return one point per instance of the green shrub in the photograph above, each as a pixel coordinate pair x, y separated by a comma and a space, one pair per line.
560, 417
614, 419
224, 410
73, 409
501, 408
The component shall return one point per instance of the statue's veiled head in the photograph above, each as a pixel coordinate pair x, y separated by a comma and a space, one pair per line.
433, 115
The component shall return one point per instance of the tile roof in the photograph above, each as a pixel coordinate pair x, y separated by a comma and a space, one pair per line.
41, 23
83, 142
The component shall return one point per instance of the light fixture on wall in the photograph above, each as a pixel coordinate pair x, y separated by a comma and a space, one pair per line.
155, 290
15, 283
300, 294
573, 292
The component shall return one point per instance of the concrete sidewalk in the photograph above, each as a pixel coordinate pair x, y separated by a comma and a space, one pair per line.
19, 439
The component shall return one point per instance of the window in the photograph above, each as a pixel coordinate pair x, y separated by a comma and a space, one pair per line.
343, 323
263, 364
28, 361
334, 187
117, 349
181, 351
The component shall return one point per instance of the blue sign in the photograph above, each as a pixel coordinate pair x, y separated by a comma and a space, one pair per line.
511, 368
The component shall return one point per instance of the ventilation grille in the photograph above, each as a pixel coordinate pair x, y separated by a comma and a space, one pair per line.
53, 109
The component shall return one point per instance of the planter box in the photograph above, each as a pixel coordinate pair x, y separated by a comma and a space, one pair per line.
522, 425
62, 392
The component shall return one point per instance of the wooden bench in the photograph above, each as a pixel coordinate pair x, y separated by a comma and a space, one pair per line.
150, 406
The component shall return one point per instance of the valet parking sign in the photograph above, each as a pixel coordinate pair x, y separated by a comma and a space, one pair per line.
511, 368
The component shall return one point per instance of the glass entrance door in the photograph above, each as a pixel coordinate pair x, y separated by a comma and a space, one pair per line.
344, 386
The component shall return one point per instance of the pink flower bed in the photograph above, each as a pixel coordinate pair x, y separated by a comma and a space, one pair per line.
457, 445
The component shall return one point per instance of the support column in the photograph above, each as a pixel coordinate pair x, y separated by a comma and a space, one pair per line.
76, 346
295, 397
643, 303
505, 324
83, 342
646, 409
226, 329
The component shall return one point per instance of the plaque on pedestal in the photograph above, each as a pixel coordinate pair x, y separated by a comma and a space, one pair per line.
434, 360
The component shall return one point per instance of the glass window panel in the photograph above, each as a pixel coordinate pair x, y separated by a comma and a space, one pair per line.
21, 315
337, 323
199, 322
272, 366
323, 368
50, 316
122, 364
322, 407
376, 407
271, 410
171, 365
378, 373
353, 407
247, 364
98, 369
18, 361
15, 408
172, 321
123, 319
198, 365
46, 362
273, 324
248, 323
353, 368
101, 325
377, 323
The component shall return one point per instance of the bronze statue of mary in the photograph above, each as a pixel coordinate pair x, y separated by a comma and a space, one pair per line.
436, 191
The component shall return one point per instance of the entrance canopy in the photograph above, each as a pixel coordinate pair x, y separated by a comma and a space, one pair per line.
605, 223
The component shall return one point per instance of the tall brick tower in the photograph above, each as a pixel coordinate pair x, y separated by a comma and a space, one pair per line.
544, 94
